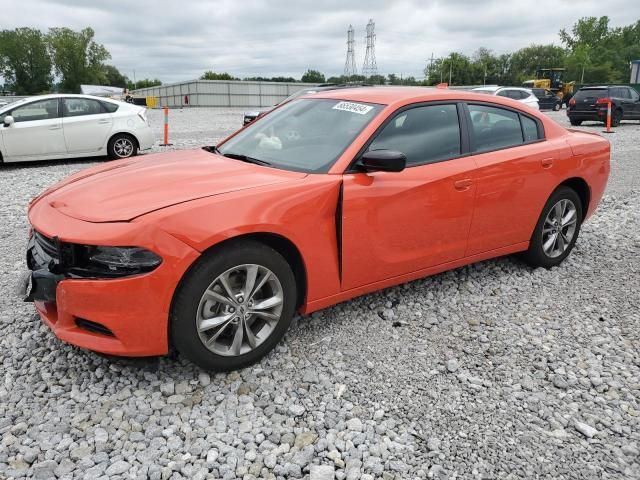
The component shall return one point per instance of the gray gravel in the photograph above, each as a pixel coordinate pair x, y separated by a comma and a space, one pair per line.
489, 371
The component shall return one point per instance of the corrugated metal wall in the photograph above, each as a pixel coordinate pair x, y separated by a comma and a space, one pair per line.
221, 93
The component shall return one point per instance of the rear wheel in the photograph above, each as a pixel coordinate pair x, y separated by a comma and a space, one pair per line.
233, 307
575, 123
557, 106
557, 229
122, 146
616, 117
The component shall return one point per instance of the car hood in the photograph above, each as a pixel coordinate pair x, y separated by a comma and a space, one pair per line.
123, 190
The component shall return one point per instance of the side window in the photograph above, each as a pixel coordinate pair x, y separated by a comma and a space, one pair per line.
110, 107
634, 94
494, 128
515, 94
424, 134
624, 93
76, 107
503, 93
529, 129
42, 110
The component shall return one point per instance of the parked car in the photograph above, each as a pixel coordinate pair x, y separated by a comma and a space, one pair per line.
327, 198
51, 127
523, 95
590, 103
251, 116
547, 99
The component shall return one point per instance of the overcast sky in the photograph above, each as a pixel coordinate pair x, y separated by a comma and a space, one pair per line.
177, 40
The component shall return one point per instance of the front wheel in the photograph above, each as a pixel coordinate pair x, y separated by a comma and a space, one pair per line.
557, 229
122, 146
233, 306
557, 106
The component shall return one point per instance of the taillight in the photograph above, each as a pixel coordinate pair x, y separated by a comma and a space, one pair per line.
603, 101
572, 102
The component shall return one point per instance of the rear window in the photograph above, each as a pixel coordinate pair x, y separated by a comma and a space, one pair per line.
591, 93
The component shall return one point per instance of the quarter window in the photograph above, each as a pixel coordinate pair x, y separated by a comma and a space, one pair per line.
42, 110
494, 128
529, 129
634, 95
76, 107
424, 134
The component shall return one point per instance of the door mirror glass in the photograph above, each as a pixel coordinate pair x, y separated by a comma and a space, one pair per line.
383, 161
8, 121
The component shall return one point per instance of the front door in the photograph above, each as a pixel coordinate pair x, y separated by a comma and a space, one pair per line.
398, 223
36, 132
86, 123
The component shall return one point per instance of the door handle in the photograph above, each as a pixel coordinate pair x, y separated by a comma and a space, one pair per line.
546, 162
103, 121
462, 185
57, 127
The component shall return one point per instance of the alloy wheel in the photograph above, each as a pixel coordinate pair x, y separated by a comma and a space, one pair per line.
123, 147
559, 228
239, 310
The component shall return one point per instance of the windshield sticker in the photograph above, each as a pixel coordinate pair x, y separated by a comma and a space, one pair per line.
358, 108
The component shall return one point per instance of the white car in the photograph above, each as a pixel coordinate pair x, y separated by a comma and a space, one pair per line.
524, 95
49, 127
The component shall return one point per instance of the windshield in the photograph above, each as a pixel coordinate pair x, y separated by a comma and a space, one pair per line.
306, 135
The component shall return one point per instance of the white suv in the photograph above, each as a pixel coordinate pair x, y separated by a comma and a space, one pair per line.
50, 127
523, 95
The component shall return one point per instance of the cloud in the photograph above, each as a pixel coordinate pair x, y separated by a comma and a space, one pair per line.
174, 40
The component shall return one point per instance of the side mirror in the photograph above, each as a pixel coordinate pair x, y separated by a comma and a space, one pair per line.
383, 161
8, 121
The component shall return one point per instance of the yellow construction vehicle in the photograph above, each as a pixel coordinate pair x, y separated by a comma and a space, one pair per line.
551, 79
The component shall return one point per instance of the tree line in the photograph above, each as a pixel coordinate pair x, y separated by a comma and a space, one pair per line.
34, 62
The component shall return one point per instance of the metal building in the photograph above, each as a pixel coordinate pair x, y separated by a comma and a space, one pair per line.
635, 71
221, 93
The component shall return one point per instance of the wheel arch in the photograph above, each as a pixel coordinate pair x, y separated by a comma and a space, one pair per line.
124, 132
284, 246
581, 187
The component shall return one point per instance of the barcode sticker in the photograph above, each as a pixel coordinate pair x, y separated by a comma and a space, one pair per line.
358, 108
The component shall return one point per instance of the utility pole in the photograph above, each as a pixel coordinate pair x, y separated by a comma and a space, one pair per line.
450, 71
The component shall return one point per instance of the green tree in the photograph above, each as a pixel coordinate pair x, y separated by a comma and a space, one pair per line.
211, 75
525, 62
312, 76
77, 58
144, 83
113, 77
24, 61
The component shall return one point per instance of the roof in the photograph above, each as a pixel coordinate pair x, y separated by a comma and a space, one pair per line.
403, 95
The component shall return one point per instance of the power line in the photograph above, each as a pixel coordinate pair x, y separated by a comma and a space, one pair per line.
370, 67
350, 63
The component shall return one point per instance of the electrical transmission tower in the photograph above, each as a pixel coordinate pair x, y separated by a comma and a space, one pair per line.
370, 66
350, 63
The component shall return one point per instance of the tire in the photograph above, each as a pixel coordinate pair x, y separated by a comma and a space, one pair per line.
537, 255
192, 300
575, 123
557, 106
616, 118
122, 145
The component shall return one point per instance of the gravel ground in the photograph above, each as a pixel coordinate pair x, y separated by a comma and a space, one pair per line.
490, 371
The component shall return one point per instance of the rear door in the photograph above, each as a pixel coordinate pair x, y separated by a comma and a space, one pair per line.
395, 223
86, 124
36, 133
512, 179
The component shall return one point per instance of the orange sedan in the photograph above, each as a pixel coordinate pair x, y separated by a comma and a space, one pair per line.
323, 199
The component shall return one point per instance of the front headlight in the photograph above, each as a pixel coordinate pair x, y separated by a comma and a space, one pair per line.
112, 262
